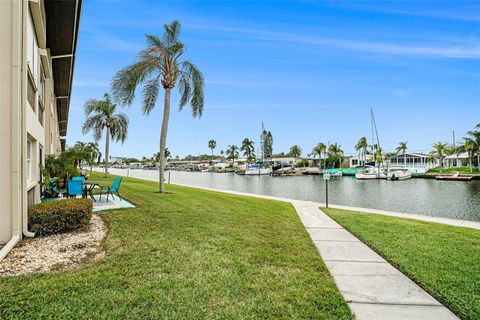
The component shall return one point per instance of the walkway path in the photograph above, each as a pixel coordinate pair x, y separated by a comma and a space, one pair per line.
373, 288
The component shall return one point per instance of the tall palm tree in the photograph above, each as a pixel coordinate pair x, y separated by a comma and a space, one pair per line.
295, 151
248, 149
160, 65
475, 136
212, 144
335, 152
440, 150
402, 149
362, 146
100, 114
232, 153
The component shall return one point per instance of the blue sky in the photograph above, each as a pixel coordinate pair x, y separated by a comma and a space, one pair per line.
309, 70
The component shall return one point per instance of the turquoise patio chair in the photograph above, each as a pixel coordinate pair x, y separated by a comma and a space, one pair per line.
74, 188
111, 190
84, 187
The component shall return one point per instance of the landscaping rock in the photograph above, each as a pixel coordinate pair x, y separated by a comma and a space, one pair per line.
56, 252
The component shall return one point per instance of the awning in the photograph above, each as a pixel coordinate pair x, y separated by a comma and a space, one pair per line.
62, 20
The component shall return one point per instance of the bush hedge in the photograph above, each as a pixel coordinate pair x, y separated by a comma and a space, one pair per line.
59, 216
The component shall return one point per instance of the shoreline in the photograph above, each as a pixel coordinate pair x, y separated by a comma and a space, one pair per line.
448, 221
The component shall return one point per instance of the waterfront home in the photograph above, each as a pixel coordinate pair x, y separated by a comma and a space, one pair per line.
356, 161
415, 162
456, 160
119, 160
287, 161
39, 40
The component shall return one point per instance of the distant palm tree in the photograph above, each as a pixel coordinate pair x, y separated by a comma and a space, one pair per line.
100, 114
94, 154
78, 153
401, 149
295, 151
156, 156
469, 146
248, 149
362, 146
232, 153
318, 150
159, 65
212, 144
475, 136
440, 150
335, 153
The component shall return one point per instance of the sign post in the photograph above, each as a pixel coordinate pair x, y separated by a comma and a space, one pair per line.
326, 177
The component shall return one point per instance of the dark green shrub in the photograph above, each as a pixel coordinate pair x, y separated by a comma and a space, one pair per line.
59, 216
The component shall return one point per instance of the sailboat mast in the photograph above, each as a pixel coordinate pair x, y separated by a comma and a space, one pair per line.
375, 126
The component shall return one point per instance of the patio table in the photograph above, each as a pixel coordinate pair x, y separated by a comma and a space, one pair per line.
89, 189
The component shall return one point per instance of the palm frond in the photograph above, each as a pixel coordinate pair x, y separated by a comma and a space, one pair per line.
125, 82
119, 127
150, 94
95, 123
191, 74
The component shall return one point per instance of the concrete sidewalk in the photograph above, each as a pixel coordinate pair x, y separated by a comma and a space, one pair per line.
373, 288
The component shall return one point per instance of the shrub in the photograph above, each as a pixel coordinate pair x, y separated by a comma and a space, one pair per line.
60, 216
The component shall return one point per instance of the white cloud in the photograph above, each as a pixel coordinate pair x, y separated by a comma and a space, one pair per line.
447, 50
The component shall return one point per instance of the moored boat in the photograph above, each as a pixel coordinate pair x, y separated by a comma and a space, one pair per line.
399, 174
256, 169
371, 173
453, 177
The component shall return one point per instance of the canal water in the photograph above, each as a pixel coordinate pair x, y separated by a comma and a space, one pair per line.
450, 199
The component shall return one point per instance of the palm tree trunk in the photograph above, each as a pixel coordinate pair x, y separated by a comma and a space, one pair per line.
470, 161
478, 160
107, 146
163, 139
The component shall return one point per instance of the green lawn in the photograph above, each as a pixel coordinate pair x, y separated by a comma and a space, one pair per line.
444, 260
187, 254
461, 170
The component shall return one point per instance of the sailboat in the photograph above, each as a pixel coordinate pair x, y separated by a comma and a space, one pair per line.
373, 172
259, 168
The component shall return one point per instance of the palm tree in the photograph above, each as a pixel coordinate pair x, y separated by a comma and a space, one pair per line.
248, 149
469, 147
80, 152
94, 154
212, 144
232, 153
156, 155
159, 64
475, 136
362, 146
335, 152
402, 148
295, 151
100, 114
440, 150
317, 151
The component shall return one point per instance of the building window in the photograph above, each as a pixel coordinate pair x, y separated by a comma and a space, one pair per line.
29, 160
31, 92
40, 162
